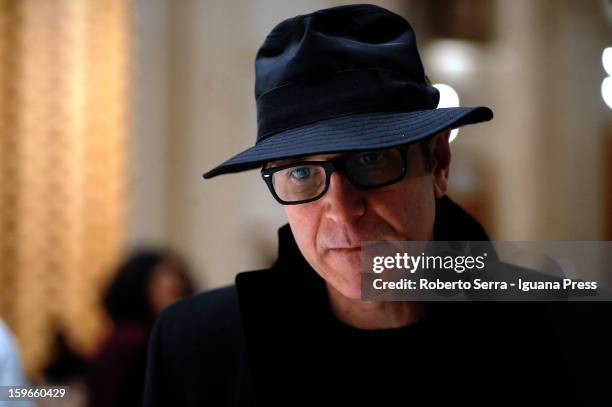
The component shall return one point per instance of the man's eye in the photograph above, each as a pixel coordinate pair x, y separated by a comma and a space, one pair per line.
371, 158
300, 173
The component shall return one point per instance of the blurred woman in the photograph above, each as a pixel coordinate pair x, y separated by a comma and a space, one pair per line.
146, 283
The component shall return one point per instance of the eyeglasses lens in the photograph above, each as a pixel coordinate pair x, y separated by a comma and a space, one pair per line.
299, 183
372, 168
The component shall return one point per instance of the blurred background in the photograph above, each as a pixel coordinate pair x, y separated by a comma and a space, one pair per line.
110, 111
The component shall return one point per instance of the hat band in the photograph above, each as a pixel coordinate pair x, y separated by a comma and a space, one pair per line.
347, 92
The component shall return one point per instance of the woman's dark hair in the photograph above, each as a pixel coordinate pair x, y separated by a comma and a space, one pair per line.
127, 298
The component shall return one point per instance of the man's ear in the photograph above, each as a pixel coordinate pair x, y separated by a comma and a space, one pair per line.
441, 158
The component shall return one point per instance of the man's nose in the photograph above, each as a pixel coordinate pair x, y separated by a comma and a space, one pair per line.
343, 202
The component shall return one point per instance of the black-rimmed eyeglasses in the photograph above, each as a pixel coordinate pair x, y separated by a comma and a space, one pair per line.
306, 181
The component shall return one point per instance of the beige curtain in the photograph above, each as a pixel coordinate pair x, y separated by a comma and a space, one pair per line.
63, 137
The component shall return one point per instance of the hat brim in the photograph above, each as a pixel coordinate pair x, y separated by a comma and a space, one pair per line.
362, 131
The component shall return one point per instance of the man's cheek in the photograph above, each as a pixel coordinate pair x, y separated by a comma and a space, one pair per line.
306, 241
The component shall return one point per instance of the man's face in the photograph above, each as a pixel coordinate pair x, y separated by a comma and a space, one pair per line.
329, 231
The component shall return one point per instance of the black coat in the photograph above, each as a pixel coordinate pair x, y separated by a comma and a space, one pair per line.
270, 339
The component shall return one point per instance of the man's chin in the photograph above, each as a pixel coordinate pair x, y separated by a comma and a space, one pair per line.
341, 270
350, 290
347, 280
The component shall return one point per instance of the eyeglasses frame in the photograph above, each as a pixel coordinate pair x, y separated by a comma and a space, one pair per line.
329, 166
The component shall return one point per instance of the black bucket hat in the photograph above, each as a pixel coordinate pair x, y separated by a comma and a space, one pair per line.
342, 79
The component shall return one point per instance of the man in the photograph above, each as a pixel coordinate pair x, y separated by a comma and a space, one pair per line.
351, 144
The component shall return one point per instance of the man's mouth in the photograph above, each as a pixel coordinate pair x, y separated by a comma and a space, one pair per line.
347, 249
